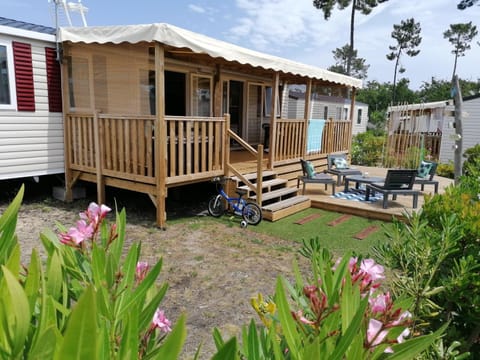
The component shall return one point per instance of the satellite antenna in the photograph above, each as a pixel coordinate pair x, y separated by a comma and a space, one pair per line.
62, 7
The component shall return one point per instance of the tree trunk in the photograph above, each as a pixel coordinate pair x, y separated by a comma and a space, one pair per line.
455, 64
457, 99
394, 90
352, 26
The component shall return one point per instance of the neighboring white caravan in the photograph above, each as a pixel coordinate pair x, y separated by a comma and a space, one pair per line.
31, 122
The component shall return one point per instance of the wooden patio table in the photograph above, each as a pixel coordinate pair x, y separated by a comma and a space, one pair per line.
361, 179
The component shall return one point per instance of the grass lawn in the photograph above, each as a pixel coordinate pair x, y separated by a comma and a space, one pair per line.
338, 239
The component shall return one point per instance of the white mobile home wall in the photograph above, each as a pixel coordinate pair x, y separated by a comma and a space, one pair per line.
31, 142
334, 107
471, 129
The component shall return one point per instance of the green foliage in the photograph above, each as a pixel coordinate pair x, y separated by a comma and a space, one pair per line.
335, 313
407, 37
460, 36
446, 170
86, 300
471, 166
440, 90
367, 149
435, 259
358, 66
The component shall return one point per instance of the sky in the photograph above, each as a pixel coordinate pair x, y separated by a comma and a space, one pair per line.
293, 29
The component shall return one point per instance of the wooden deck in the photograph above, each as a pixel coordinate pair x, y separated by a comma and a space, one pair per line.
322, 199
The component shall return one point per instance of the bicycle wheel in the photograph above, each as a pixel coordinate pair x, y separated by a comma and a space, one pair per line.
216, 207
252, 213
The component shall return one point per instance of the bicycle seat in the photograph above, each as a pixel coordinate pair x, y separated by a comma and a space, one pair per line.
241, 192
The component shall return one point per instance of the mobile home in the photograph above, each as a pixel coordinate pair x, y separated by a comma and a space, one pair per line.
151, 107
31, 122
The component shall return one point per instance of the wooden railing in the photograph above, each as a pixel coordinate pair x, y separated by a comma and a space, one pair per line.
290, 138
257, 154
199, 153
124, 146
337, 136
404, 149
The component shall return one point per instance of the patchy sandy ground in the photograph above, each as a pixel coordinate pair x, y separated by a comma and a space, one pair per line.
212, 269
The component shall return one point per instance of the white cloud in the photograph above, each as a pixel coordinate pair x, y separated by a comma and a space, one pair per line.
196, 8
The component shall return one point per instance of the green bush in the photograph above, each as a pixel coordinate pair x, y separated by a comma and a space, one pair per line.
87, 300
435, 258
471, 166
337, 313
367, 149
446, 170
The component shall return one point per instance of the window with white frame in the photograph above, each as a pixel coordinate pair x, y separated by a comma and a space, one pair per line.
359, 116
7, 77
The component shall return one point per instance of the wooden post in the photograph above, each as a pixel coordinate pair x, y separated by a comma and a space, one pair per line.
307, 115
273, 131
259, 183
98, 135
67, 138
352, 111
160, 136
226, 146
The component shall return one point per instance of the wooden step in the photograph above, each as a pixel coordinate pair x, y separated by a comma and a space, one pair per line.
253, 176
268, 184
281, 209
279, 193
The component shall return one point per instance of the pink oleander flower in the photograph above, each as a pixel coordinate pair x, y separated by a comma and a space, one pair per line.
76, 235
299, 316
405, 333
381, 303
375, 334
95, 213
160, 321
375, 271
404, 316
141, 270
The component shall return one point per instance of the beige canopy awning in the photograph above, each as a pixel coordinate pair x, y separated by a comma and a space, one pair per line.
181, 38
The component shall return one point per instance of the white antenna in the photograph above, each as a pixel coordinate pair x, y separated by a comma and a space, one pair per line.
62, 7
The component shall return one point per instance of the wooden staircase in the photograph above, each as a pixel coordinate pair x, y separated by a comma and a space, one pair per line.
278, 199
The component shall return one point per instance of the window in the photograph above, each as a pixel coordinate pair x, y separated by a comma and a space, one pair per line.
201, 96
7, 80
339, 113
345, 114
359, 116
325, 112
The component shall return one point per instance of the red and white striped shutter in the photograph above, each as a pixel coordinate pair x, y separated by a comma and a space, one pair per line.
22, 58
54, 84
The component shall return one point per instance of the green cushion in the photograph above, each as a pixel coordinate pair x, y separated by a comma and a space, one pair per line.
424, 169
310, 169
341, 163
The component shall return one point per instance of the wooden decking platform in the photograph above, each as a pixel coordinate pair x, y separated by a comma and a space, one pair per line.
322, 199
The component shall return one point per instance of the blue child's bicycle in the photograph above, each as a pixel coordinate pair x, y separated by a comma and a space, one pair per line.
249, 211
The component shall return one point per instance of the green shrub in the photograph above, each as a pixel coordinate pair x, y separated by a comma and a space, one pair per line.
435, 258
367, 149
87, 300
446, 170
337, 313
471, 166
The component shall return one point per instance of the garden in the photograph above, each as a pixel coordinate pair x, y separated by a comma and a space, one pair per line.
413, 293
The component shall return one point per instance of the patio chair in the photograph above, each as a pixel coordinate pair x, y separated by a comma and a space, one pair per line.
397, 182
311, 177
428, 178
334, 162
